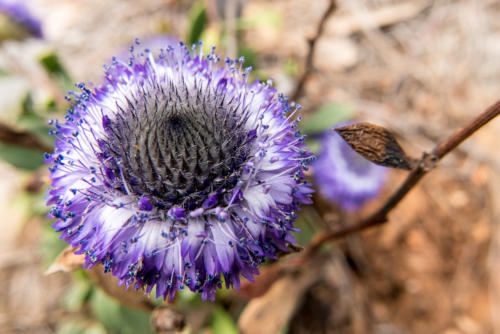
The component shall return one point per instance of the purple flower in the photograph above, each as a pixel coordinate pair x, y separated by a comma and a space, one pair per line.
177, 172
18, 13
343, 176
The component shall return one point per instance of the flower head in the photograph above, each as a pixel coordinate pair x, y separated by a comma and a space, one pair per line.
177, 172
15, 13
344, 176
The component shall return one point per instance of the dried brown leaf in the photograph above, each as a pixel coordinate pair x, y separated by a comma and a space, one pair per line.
376, 144
271, 312
268, 275
66, 261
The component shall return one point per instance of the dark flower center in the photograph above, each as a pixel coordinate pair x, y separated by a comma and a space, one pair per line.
176, 148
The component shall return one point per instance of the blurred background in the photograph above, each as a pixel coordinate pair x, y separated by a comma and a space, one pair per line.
421, 68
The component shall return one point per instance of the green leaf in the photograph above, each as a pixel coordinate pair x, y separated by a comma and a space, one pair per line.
313, 145
51, 106
79, 326
249, 54
326, 117
95, 329
198, 16
27, 105
21, 157
51, 246
222, 322
79, 293
306, 232
188, 298
53, 66
51, 63
31, 120
118, 318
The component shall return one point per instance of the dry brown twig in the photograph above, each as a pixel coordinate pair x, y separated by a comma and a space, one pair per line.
299, 90
427, 163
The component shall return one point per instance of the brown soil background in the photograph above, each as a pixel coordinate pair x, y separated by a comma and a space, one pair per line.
420, 68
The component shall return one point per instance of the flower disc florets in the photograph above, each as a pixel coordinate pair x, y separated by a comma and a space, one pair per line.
177, 171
